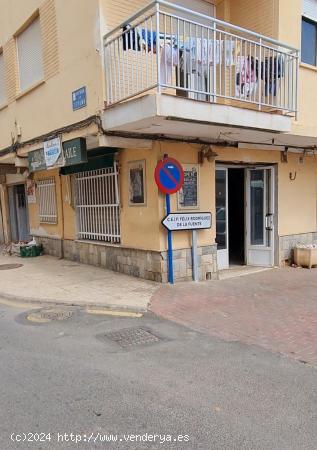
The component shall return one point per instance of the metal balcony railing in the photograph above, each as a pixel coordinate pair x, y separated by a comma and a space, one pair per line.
171, 49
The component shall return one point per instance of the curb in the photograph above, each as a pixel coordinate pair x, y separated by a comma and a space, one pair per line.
37, 301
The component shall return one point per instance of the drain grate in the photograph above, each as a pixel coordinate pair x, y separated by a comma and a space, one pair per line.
130, 337
10, 266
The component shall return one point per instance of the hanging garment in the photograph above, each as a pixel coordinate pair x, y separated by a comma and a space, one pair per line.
148, 39
169, 59
230, 47
130, 38
271, 70
202, 51
246, 76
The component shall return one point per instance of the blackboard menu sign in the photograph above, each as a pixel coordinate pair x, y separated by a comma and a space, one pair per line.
188, 195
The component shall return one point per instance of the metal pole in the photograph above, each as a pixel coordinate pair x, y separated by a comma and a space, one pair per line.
195, 256
170, 245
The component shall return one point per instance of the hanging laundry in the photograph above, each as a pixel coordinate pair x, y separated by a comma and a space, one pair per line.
271, 70
148, 39
230, 47
169, 59
246, 76
202, 51
130, 38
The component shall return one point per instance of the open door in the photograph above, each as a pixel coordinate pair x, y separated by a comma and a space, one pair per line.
222, 237
260, 216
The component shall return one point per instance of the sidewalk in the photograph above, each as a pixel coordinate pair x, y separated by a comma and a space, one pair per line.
274, 309
46, 279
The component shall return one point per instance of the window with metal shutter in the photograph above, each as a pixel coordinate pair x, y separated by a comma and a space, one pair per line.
201, 6
310, 9
29, 47
205, 7
3, 95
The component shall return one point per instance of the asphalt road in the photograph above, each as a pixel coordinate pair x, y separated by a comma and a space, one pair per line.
65, 377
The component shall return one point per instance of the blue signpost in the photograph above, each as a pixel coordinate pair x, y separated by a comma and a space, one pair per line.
169, 177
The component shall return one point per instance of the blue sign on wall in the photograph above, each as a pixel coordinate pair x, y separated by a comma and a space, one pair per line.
79, 98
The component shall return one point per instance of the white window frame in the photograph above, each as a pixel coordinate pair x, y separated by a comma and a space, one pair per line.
46, 191
3, 92
98, 205
26, 56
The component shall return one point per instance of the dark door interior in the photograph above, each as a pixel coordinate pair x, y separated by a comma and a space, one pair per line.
236, 206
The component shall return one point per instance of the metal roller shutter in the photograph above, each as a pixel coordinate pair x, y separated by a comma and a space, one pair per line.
310, 9
30, 58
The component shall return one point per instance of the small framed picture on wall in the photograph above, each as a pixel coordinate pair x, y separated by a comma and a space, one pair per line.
137, 192
188, 196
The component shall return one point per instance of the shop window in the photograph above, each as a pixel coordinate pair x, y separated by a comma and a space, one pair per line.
47, 200
97, 205
3, 96
30, 57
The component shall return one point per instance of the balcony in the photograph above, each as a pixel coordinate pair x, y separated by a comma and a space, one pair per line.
168, 66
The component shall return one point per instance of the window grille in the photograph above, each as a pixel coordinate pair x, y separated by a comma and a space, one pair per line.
30, 58
97, 205
47, 200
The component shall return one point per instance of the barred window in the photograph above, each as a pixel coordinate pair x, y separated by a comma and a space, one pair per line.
47, 200
97, 205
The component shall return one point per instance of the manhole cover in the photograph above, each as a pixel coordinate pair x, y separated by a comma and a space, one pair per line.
130, 337
49, 315
10, 266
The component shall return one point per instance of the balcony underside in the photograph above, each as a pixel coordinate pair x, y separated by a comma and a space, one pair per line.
172, 116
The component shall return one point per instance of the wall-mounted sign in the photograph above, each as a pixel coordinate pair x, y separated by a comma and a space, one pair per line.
187, 221
188, 195
53, 153
75, 151
72, 152
37, 160
30, 191
79, 98
137, 183
169, 175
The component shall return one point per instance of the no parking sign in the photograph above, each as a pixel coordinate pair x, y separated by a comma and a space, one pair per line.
169, 176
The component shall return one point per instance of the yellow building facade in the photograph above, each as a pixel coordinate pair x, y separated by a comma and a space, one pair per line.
94, 94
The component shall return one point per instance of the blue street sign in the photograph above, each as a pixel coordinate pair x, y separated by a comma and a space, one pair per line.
79, 98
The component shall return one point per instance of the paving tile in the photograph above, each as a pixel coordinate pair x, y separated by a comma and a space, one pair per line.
275, 309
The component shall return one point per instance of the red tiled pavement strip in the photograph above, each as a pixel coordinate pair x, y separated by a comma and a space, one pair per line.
274, 309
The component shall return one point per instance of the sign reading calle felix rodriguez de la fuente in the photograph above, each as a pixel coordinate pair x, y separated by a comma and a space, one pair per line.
73, 152
187, 221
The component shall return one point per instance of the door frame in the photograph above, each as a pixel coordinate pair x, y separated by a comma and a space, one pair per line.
272, 212
274, 200
13, 210
223, 254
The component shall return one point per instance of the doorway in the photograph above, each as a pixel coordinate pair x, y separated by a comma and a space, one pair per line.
19, 223
245, 216
236, 216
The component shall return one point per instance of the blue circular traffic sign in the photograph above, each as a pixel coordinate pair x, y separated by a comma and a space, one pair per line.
169, 175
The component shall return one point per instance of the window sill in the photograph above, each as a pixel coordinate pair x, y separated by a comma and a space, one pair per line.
48, 223
30, 89
308, 66
100, 243
3, 106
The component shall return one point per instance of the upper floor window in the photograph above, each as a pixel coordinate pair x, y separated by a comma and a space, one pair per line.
309, 32
30, 58
3, 95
